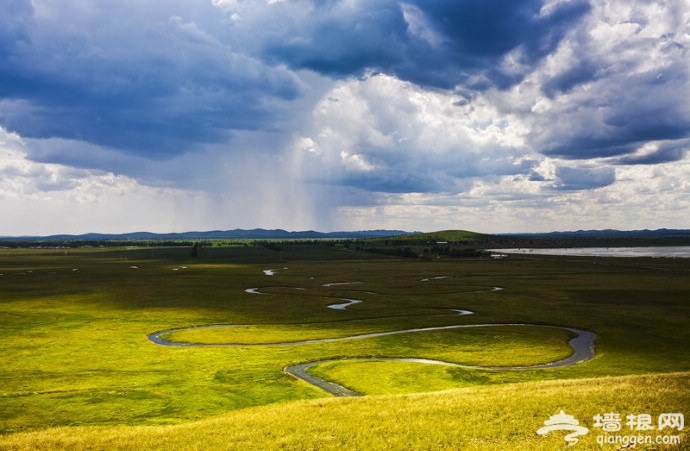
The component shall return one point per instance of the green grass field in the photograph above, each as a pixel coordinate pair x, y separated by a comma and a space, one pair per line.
78, 371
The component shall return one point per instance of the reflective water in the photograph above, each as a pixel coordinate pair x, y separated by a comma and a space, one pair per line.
651, 251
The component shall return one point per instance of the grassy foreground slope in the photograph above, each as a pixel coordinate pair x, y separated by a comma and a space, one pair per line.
487, 418
76, 361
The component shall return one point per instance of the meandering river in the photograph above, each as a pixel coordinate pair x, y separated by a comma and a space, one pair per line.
582, 345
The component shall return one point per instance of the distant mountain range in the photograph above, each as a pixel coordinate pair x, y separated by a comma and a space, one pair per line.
449, 235
609, 233
235, 234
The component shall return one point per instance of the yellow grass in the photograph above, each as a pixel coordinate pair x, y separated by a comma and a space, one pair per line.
486, 418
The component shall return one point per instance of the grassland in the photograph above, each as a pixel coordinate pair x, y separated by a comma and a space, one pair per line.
487, 418
76, 358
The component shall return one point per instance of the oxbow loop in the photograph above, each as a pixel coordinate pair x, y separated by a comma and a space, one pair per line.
564, 422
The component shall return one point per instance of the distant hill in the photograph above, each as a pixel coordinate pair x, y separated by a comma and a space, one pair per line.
218, 234
609, 233
607, 237
579, 238
449, 236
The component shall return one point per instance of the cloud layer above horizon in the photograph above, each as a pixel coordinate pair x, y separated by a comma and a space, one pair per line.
488, 115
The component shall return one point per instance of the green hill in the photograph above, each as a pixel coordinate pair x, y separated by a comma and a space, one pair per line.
449, 236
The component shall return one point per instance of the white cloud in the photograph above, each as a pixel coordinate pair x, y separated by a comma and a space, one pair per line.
643, 197
46, 198
401, 137
419, 25
611, 85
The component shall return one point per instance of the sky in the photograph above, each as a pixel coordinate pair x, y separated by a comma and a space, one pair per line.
494, 116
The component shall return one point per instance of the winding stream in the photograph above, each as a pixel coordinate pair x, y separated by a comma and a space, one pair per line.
582, 345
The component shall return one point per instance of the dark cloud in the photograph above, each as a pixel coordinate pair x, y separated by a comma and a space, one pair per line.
15, 17
621, 114
564, 82
534, 176
648, 106
409, 171
431, 42
147, 81
398, 182
665, 152
335, 39
478, 29
584, 178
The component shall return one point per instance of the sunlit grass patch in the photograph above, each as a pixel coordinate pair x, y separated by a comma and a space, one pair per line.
477, 419
390, 377
508, 345
266, 334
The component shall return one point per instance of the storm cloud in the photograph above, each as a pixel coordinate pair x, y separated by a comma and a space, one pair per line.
134, 76
325, 114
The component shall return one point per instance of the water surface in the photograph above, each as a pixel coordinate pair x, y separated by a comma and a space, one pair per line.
647, 251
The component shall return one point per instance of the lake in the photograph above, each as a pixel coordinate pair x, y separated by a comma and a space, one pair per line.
650, 251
